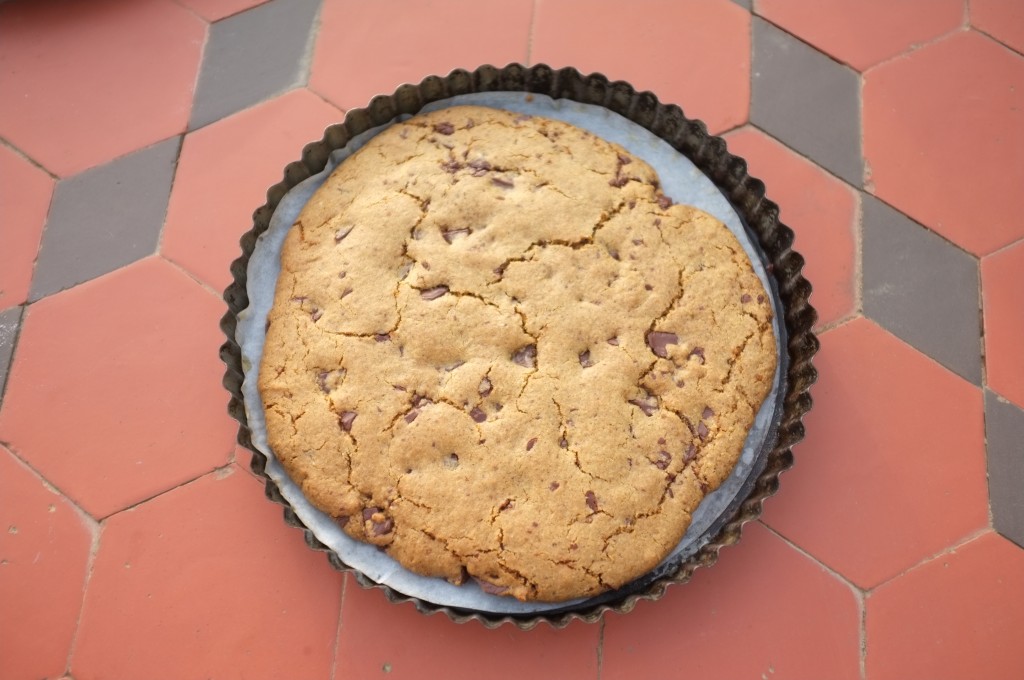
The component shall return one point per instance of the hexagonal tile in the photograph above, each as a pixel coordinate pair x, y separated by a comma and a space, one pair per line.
85, 238
1002, 288
127, 369
658, 48
25, 195
1001, 19
958, 616
1004, 432
893, 466
44, 550
839, 27
819, 208
253, 55
921, 288
940, 129
207, 581
434, 647
807, 101
223, 176
407, 42
755, 614
86, 82
213, 10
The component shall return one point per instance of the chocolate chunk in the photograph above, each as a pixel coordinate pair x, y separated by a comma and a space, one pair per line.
659, 341
702, 430
657, 221
618, 182
554, 486
638, 241
480, 167
648, 286
316, 314
477, 415
340, 235
613, 341
631, 204
490, 588
321, 380
342, 275
411, 416
382, 337
345, 293
745, 298
341, 520
661, 440
485, 387
444, 128
346, 419
760, 299
451, 165
664, 202
500, 269
573, 546
381, 528
648, 406
530, 444
507, 505
585, 360
624, 160
697, 352
708, 413
502, 182
591, 501
368, 513
563, 443
526, 356
433, 293
452, 234
691, 453
664, 458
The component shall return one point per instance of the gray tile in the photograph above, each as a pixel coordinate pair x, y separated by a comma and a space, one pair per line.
921, 288
806, 100
745, 4
251, 56
1004, 436
10, 319
105, 218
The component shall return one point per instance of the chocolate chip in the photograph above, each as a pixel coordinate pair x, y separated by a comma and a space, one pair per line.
708, 413
697, 352
451, 165
659, 341
526, 356
563, 443
485, 387
340, 235
585, 360
760, 299
342, 275
490, 588
664, 202
530, 444
444, 128
661, 440
657, 221
341, 520
477, 415
618, 182
664, 458
369, 512
411, 416
502, 182
451, 461
638, 241
573, 546
507, 505
346, 419
500, 269
404, 270
745, 298
433, 293
691, 453
382, 337
480, 167
453, 234
648, 406
381, 528
624, 160
648, 286
702, 430
613, 341
316, 314
321, 380
631, 204
554, 486
591, 501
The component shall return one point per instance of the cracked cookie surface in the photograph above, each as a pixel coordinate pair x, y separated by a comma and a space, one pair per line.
498, 352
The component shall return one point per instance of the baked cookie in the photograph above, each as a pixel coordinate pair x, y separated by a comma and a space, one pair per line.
498, 352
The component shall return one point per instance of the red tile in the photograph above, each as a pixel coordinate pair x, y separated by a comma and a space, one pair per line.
381, 639
84, 82
212, 10
840, 27
207, 582
756, 614
44, 549
694, 53
115, 391
818, 207
958, 616
370, 48
223, 175
1002, 288
941, 127
25, 196
893, 466
1002, 19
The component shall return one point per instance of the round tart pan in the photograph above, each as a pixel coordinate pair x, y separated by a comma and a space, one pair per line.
772, 239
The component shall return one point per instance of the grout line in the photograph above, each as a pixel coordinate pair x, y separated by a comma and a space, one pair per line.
948, 550
858, 252
305, 65
325, 100
202, 284
6, 378
839, 577
50, 486
914, 47
203, 49
600, 648
337, 629
1000, 249
90, 566
794, 36
841, 321
170, 192
7, 143
988, 475
966, 19
191, 11
863, 630
1011, 48
219, 472
804, 156
529, 35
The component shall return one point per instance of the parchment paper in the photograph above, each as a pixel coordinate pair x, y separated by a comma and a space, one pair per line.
680, 180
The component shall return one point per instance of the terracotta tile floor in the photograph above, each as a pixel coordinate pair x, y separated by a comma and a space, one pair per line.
136, 544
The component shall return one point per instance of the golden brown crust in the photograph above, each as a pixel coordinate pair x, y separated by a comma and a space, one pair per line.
498, 352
